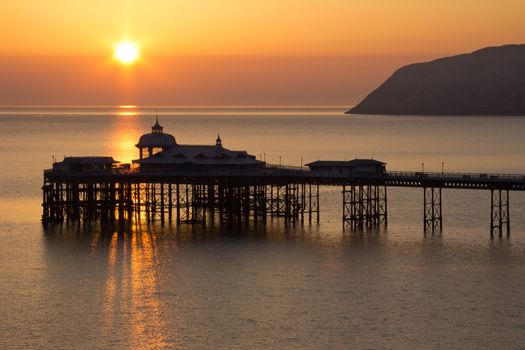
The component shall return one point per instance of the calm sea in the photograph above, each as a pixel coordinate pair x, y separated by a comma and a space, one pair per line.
272, 286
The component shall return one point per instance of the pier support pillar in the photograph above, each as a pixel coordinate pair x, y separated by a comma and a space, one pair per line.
364, 205
310, 202
191, 201
499, 212
432, 210
292, 201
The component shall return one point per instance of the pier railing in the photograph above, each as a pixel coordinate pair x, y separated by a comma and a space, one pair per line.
454, 176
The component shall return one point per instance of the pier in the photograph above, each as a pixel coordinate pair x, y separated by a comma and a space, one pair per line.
293, 194
195, 184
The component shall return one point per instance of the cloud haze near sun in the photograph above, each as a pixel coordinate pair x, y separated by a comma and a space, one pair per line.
233, 52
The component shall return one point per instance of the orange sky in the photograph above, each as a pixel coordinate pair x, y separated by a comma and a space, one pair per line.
234, 46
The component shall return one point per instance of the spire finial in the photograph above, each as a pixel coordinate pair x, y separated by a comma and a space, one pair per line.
218, 142
157, 128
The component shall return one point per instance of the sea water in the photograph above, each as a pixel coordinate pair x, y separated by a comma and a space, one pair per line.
257, 285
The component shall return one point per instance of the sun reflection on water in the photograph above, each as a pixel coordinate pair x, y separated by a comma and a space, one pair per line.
124, 137
110, 289
148, 321
132, 288
127, 110
127, 113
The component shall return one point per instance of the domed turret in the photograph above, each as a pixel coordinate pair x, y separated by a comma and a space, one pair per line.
156, 141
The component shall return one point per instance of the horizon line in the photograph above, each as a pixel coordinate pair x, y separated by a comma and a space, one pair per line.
246, 55
130, 106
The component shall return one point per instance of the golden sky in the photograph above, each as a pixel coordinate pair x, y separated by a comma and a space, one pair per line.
396, 32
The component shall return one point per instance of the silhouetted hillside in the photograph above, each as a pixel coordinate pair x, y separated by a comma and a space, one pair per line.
489, 81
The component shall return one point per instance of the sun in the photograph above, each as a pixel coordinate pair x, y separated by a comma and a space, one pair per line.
126, 52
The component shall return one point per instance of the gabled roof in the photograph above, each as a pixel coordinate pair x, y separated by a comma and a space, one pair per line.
328, 163
200, 154
365, 162
344, 163
88, 160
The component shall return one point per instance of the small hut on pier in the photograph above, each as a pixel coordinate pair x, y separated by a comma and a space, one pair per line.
353, 167
85, 164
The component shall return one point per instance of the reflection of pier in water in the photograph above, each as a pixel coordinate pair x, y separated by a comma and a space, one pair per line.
200, 183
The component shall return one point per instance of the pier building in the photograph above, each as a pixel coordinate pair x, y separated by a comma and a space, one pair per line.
158, 150
355, 167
